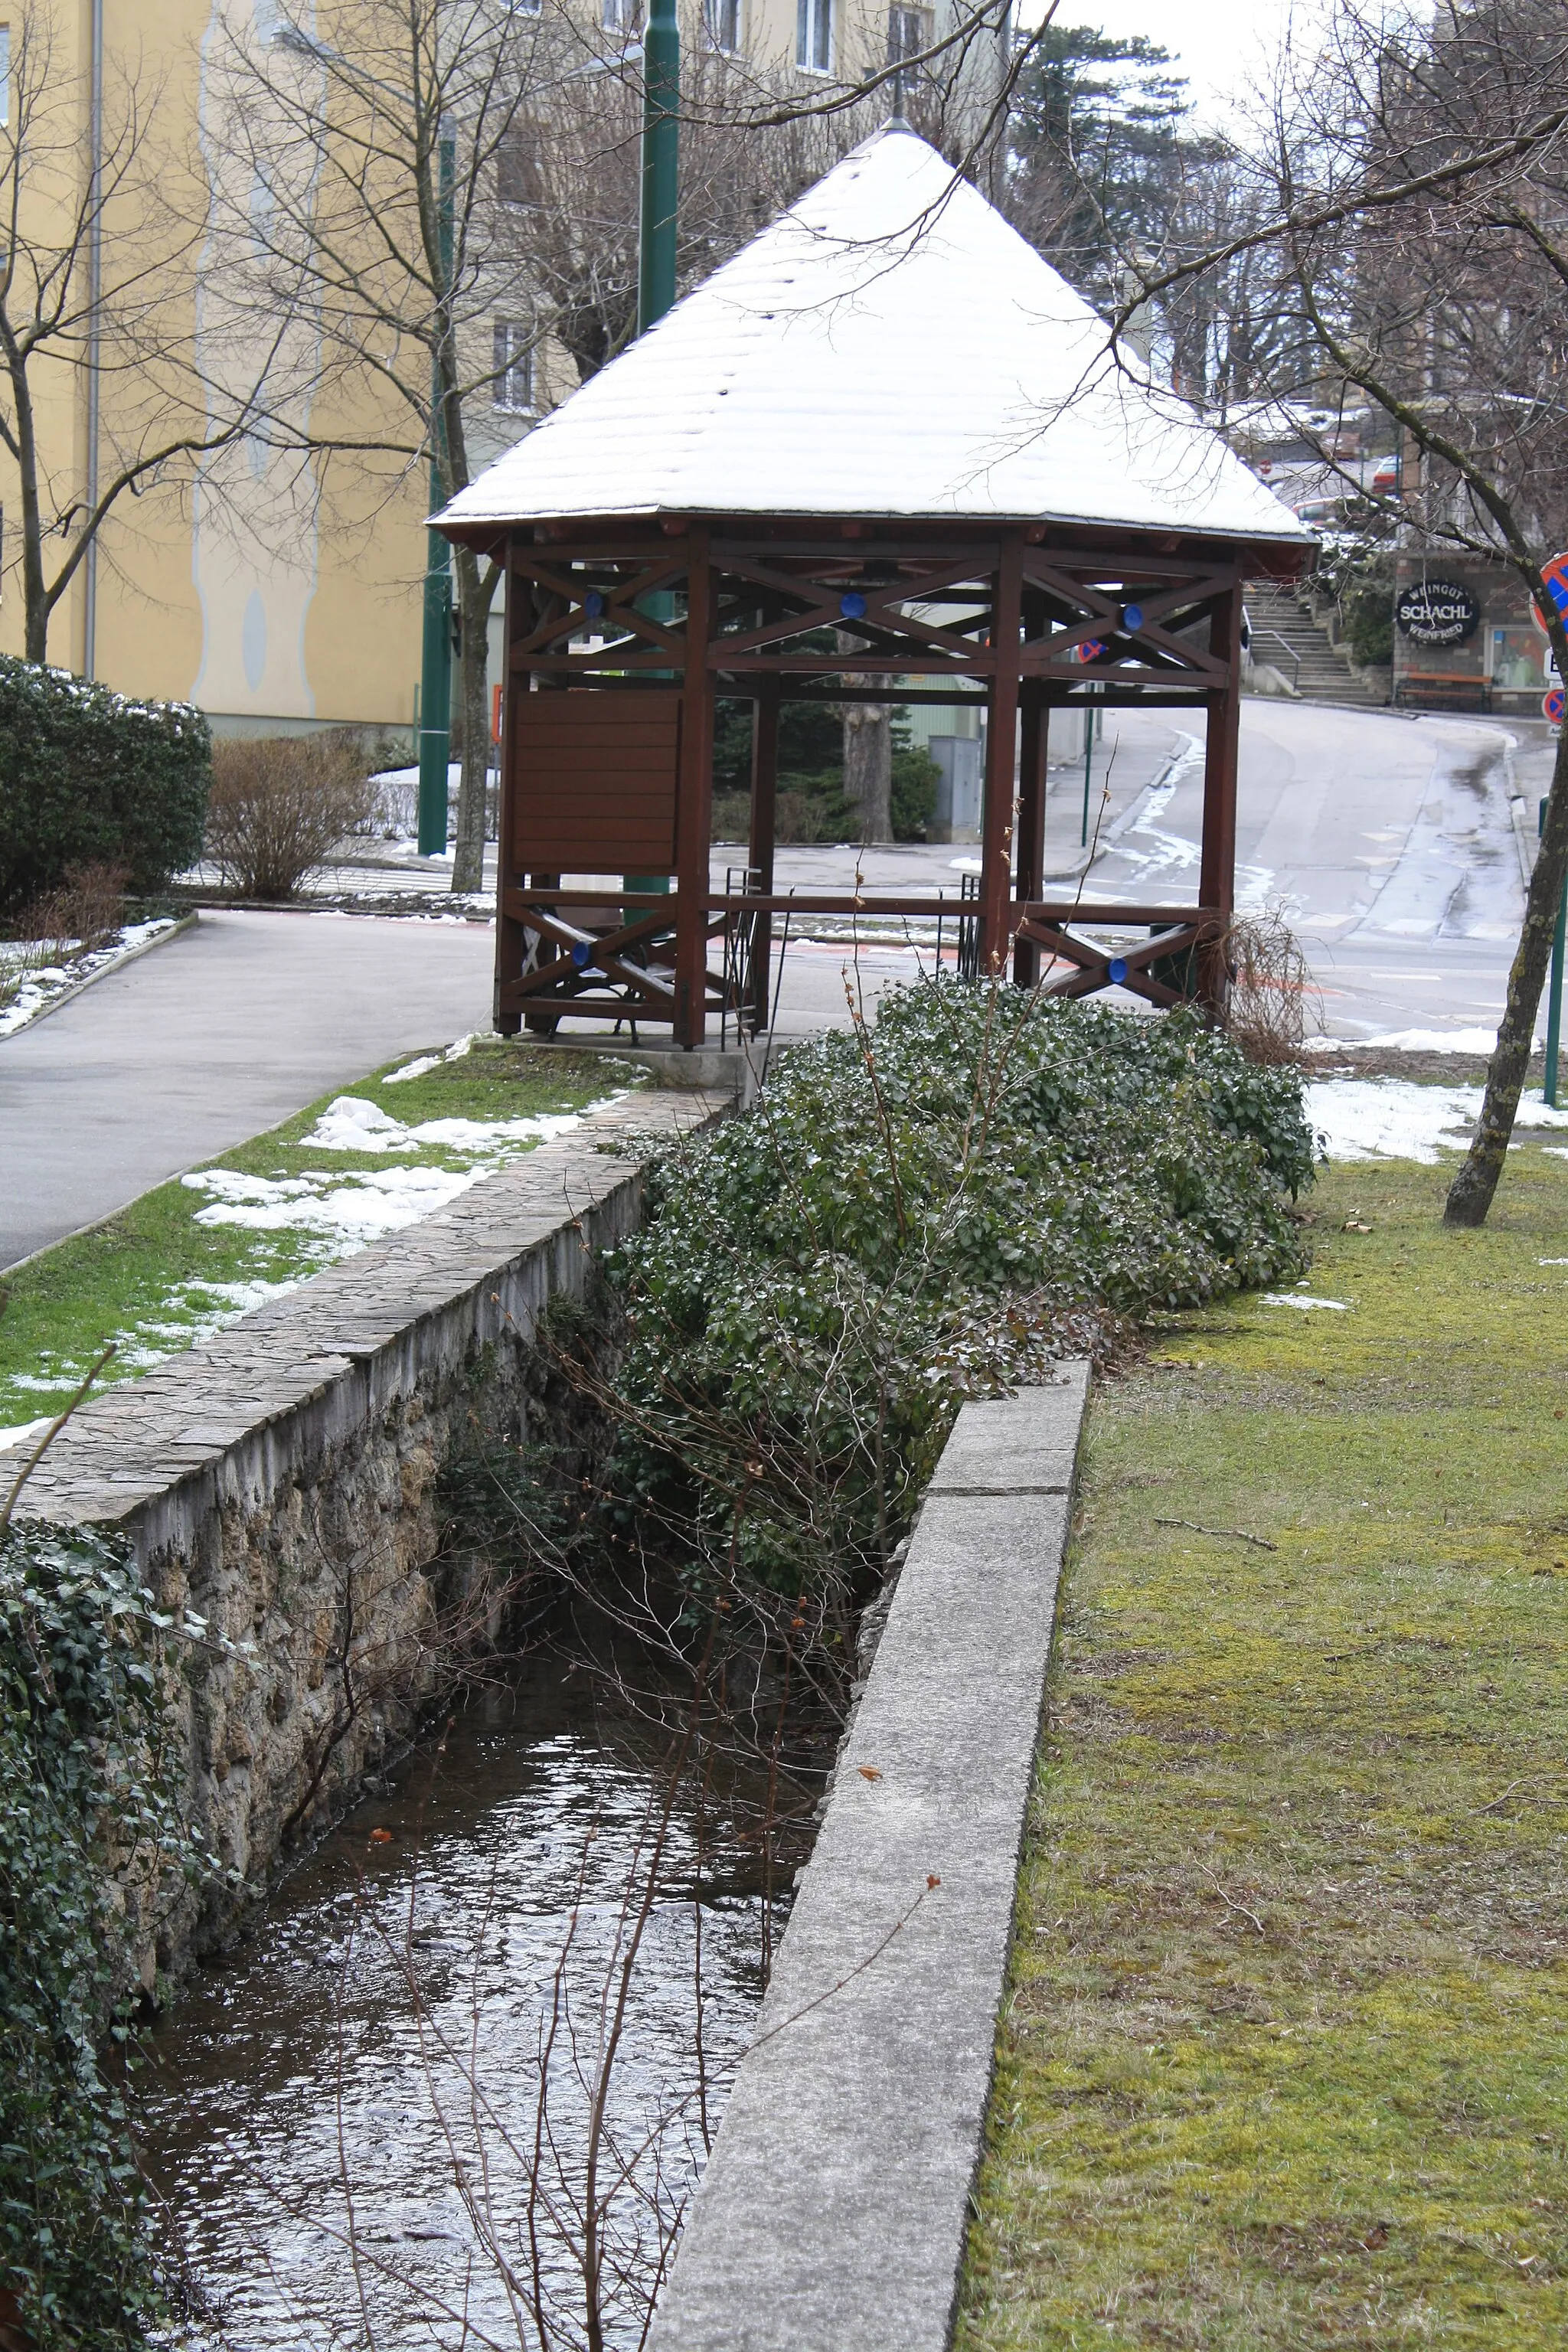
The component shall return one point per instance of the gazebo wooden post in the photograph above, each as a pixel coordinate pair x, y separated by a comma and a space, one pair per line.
511, 940
1006, 670
1216, 871
1031, 852
694, 799
765, 818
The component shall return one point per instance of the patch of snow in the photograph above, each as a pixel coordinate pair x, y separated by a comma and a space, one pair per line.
22, 1432
38, 987
1552, 1261
350, 1123
350, 1212
454, 1052
1391, 1119
1294, 1298
1416, 1041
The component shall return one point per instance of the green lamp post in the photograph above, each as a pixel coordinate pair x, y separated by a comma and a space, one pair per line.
660, 165
655, 229
436, 681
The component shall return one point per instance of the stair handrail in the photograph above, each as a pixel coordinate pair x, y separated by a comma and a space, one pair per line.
1258, 635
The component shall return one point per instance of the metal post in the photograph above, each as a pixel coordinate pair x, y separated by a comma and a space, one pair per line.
1554, 993
94, 340
656, 235
660, 165
436, 693
1088, 756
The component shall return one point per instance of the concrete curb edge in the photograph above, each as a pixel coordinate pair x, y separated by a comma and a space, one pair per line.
834, 2210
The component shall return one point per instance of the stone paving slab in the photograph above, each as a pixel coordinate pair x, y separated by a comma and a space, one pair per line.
833, 2213
1005, 1445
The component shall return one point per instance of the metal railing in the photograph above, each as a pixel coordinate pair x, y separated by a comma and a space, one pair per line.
1285, 646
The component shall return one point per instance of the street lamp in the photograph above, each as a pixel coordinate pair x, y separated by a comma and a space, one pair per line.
660, 165
436, 667
436, 664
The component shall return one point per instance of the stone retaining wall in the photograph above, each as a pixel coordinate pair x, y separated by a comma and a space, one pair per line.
280, 1484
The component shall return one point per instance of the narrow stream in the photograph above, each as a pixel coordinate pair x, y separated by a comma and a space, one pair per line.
372, 2121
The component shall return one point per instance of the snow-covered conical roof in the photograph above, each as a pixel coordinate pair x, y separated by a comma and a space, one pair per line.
889, 346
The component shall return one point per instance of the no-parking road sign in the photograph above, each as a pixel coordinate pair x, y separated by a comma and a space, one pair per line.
1552, 706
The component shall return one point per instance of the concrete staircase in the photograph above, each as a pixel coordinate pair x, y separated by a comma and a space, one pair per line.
1317, 673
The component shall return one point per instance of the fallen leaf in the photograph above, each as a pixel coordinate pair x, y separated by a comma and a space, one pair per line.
381, 1837
869, 1772
1376, 2236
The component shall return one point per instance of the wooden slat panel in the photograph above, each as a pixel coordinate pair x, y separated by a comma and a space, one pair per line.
596, 782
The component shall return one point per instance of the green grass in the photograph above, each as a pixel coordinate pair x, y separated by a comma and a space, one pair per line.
155, 1280
1283, 2061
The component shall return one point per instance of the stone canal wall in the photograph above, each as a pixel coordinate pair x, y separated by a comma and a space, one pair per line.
280, 1484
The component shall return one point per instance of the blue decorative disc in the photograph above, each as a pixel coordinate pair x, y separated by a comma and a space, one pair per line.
852, 605
1132, 617
1117, 969
593, 604
581, 955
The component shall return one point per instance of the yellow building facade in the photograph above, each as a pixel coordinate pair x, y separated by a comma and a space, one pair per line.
246, 580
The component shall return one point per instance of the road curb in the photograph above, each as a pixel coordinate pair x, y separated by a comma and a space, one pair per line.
834, 2213
181, 924
1522, 837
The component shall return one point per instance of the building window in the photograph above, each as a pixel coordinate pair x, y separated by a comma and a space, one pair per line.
511, 384
621, 15
909, 34
514, 170
813, 35
4, 73
722, 19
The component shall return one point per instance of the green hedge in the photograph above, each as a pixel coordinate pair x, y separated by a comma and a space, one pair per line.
88, 776
926, 1209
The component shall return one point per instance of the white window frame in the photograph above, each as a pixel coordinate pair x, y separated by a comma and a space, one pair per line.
4, 73
813, 35
909, 32
621, 15
721, 24
513, 354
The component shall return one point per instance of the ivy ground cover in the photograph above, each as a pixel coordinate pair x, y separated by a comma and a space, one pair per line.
1283, 2060
198, 1252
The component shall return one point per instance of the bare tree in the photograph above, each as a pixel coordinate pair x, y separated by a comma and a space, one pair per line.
1415, 173
467, 224
96, 284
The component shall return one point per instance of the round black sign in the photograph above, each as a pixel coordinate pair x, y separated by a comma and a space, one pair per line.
1438, 612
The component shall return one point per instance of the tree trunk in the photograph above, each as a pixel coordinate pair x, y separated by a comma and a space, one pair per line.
35, 596
475, 593
867, 756
1470, 1193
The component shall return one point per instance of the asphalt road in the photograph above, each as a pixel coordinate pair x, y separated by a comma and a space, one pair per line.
1387, 841
225, 1031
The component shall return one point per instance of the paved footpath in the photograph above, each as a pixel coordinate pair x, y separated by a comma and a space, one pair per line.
224, 1031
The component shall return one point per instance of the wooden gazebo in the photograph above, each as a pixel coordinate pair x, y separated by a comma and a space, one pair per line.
886, 440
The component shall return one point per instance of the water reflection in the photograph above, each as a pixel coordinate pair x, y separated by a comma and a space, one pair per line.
373, 2124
